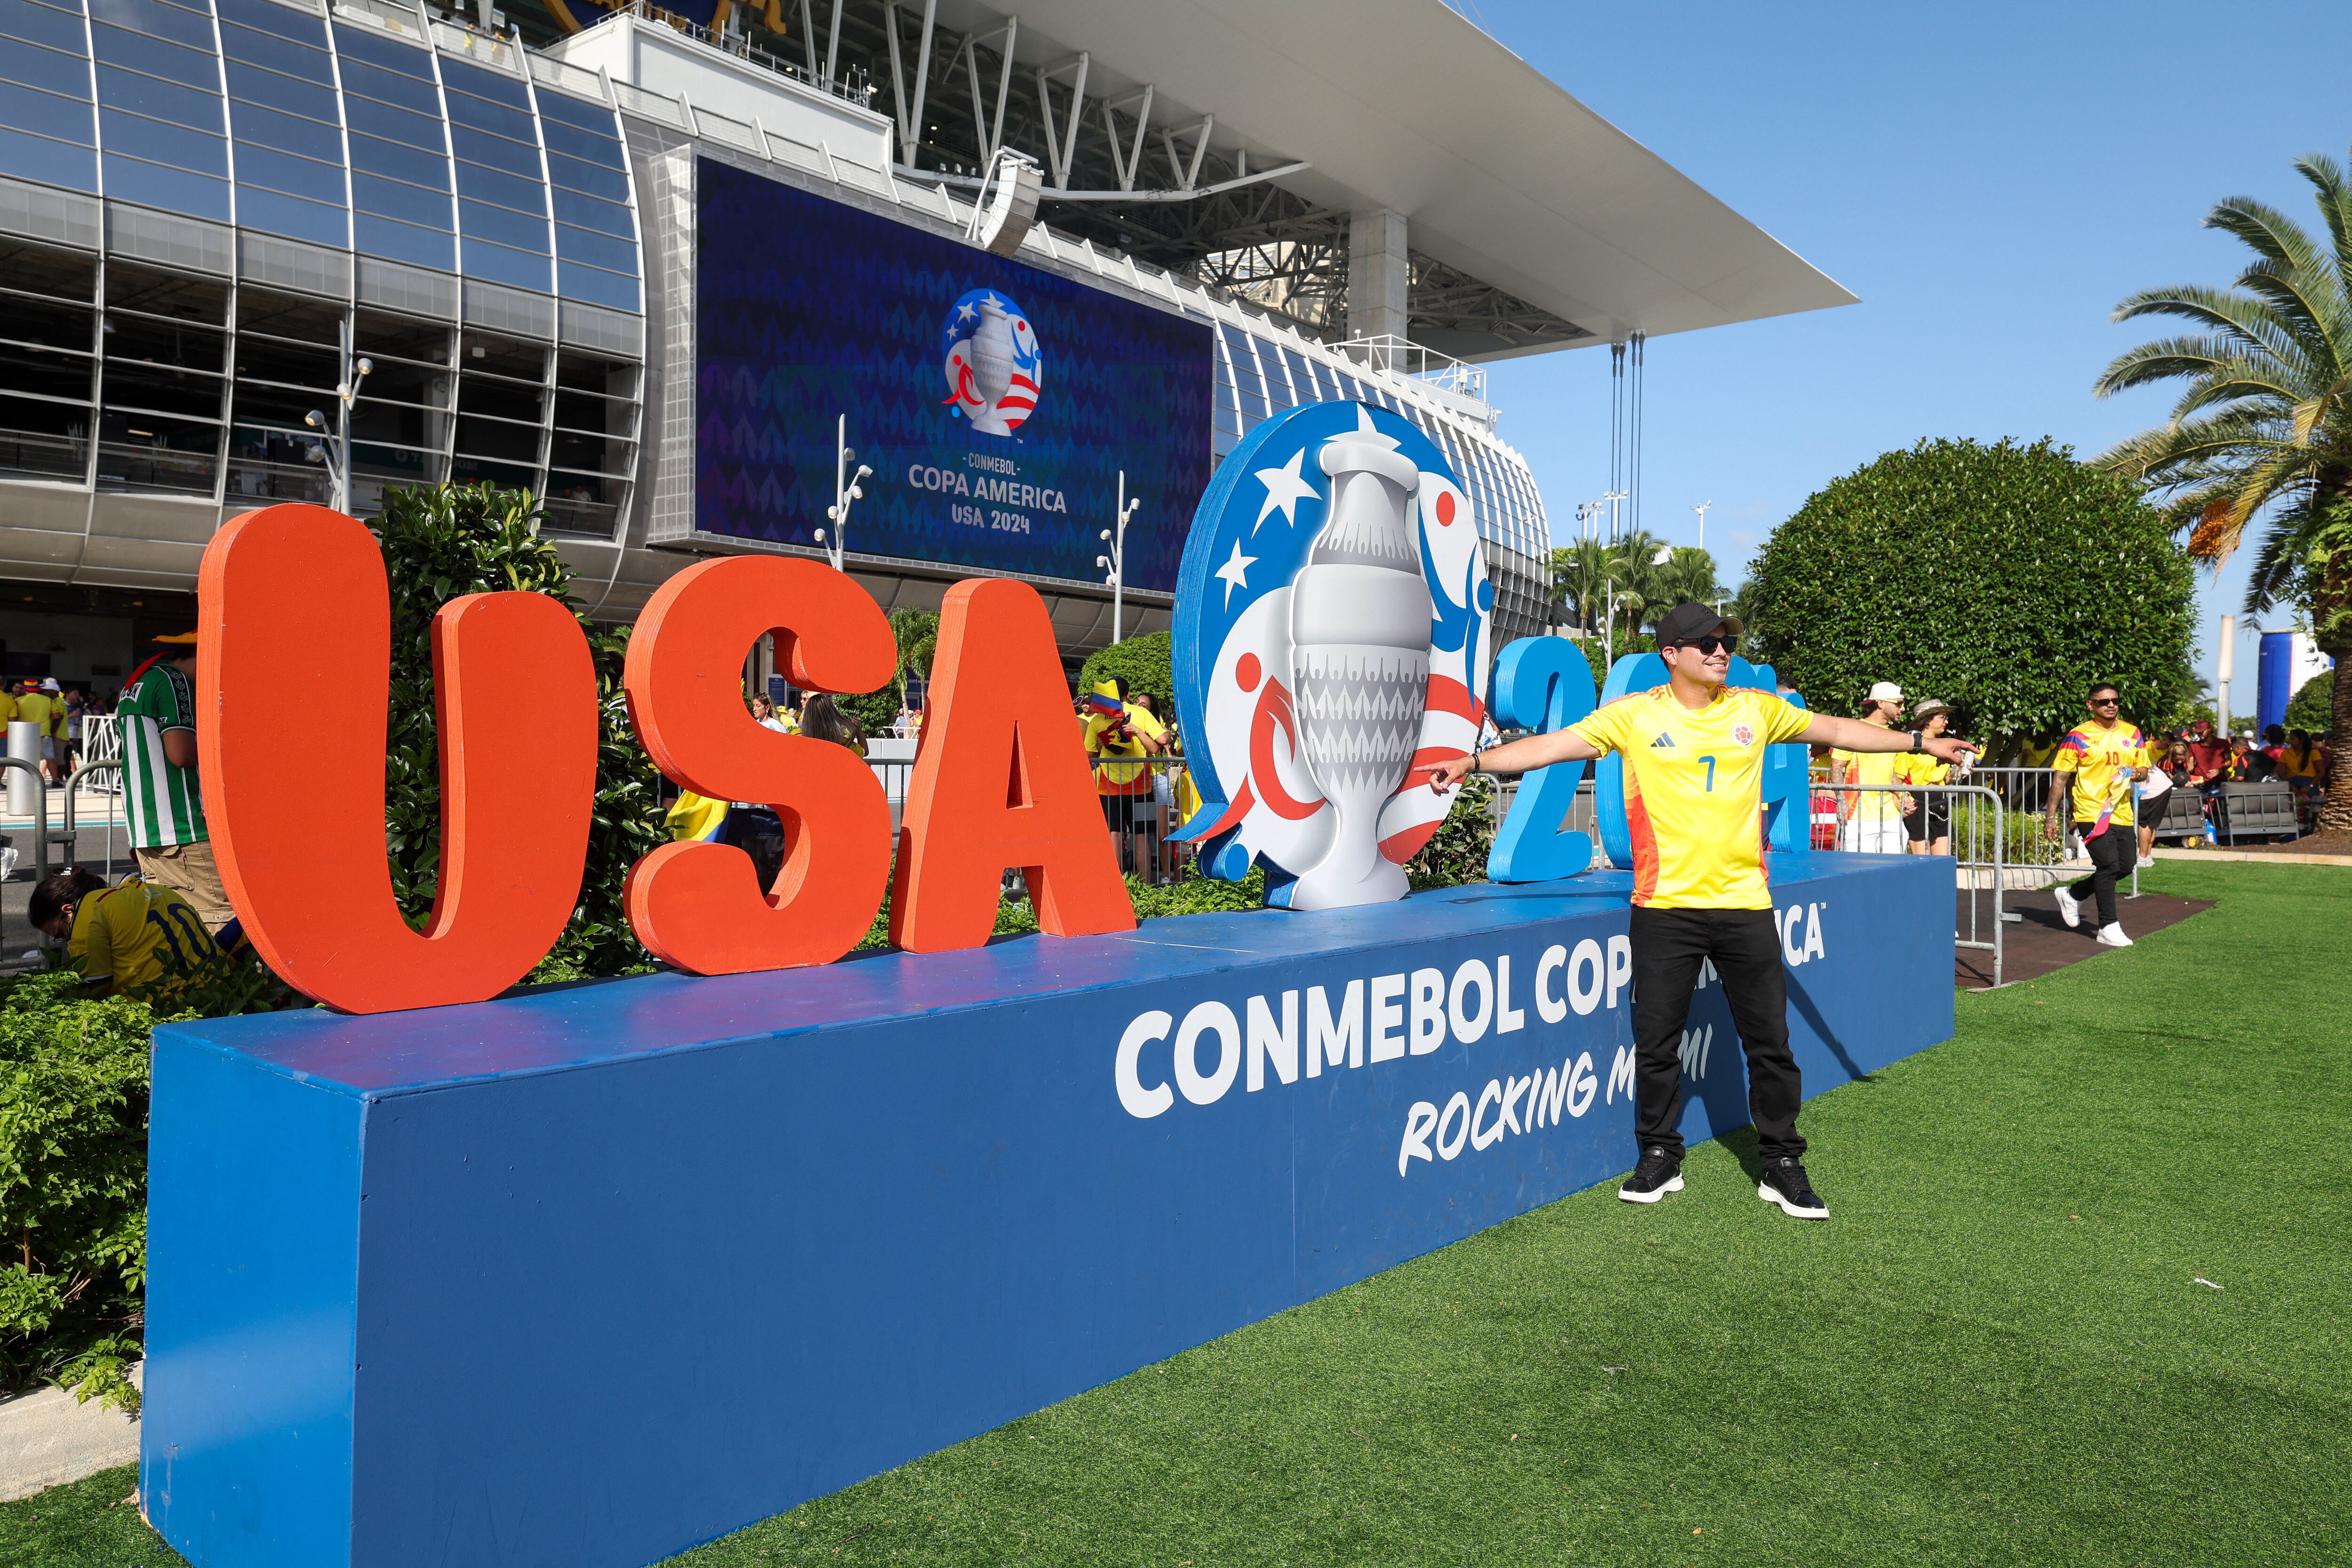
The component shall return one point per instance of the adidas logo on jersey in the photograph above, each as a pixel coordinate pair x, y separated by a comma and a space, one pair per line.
1662, 739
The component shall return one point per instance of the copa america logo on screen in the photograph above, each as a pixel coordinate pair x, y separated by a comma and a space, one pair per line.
1334, 625
995, 371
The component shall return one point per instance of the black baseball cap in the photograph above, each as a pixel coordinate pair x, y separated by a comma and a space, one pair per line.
1687, 621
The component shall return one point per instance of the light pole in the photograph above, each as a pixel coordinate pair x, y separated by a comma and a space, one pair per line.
846, 489
1701, 510
337, 443
1117, 560
1613, 497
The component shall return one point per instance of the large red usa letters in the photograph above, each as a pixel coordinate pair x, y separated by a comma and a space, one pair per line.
295, 618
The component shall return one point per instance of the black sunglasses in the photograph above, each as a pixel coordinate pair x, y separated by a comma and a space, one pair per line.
2107, 701
1707, 645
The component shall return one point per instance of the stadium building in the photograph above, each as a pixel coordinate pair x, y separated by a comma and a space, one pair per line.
661, 267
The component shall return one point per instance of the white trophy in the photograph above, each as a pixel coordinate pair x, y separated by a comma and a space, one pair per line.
993, 363
1359, 635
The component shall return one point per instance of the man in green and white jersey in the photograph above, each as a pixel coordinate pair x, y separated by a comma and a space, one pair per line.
167, 804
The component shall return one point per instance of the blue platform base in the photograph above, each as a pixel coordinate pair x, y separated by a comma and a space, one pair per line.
586, 1277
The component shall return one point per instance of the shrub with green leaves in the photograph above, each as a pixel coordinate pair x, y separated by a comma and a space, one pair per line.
1144, 663
2003, 579
441, 542
73, 1186
2312, 707
1457, 852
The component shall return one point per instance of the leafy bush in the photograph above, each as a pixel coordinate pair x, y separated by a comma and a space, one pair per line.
877, 710
2003, 579
73, 1186
2313, 708
1457, 852
1144, 663
441, 542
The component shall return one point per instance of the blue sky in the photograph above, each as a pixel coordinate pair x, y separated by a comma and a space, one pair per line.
1990, 179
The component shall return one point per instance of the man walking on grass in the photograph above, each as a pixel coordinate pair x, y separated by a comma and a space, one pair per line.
2099, 764
1693, 752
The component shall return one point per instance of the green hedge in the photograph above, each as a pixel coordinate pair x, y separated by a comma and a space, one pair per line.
1144, 663
2003, 579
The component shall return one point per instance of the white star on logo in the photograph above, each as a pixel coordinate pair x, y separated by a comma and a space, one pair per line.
1285, 488
1236, 572
1365, 431
965, 312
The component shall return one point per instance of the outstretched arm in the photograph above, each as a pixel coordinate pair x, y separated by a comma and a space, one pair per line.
1853, 735
1519, 756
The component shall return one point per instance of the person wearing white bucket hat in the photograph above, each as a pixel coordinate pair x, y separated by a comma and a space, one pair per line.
1870, 821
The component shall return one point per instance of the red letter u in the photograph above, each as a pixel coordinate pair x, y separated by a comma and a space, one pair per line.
293, 676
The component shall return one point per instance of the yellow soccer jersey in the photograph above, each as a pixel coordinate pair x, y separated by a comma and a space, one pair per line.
1920, 768
128, 932
1868, 768
1694, 792
1113, 776
2102, 757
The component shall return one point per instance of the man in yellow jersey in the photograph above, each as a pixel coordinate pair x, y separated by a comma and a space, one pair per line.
135, 934
1693, 752
1870, 821
2099, 764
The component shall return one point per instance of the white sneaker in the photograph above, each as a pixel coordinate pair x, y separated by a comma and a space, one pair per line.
2146, 861
2070, 907
2112, 936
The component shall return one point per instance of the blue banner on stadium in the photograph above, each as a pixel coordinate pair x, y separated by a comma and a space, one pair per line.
997, 403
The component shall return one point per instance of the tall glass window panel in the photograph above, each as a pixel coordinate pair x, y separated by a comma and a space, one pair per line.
29, 370
590, 213
179, 298
596, 249
1328, 380
507, 190
495, 152
46, 114
120, 49
278, 171
520, 231
307, 62
1227, 402
373, 156
192, 106
502, 264
373, 49
1278, 396
146, 451
368, 117
257, 84
295, 318
161, 144
595, 286
571, 175
396, 88
270, 17
172, 190
287, 132
397, 199
1245, 376
191, 27
38, 24
601, 148
397, 241
274, 212
497, 120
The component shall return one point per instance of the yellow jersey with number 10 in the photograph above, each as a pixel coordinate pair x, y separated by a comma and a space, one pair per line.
1695, 791
2102, 758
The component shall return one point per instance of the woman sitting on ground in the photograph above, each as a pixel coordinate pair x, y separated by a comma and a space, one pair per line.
136, 935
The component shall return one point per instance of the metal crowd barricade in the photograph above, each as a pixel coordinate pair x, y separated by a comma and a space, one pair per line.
1981, 837
70, 835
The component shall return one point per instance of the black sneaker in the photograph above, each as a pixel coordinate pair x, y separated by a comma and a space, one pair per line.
1784, 1184
1658, 1175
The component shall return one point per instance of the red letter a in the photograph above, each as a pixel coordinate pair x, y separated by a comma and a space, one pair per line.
293, 673
1000, 781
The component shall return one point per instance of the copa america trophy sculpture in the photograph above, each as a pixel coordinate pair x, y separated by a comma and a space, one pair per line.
1331, 639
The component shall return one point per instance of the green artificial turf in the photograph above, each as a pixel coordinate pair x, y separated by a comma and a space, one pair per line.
1997, 1350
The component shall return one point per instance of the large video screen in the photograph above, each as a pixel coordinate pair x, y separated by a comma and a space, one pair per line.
997, 405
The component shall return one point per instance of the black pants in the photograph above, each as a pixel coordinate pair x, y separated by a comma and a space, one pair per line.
1745, 945
2113, 854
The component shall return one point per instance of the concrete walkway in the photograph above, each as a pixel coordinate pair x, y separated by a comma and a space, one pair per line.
48, 1439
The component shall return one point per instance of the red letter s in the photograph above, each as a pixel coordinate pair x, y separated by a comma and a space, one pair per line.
697, 905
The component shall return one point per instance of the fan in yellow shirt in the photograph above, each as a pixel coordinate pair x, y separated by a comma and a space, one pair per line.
1694, 753
1870, 820
133, 935
1928, 819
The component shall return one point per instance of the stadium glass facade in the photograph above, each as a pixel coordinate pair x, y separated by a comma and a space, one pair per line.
211, 212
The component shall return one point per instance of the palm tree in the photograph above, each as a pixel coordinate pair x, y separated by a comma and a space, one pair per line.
1689, 577
917, 633
1576, 572
2263, 425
